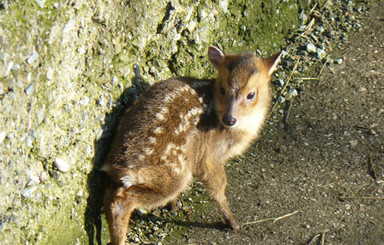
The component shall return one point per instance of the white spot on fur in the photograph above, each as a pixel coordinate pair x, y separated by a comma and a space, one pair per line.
136, 177
193, 113
161, 114
183, 148
158, 130
141, 157
168, 98
164, 158
128, 180
169, 148
174, 157
148, 151
191, 116
183, 89
152, 140
181, 159
176, 170
164, 110
183, 126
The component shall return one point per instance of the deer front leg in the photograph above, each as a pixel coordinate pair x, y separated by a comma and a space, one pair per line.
118, 210
215, 182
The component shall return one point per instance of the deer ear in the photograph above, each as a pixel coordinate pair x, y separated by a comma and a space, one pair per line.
272, 62
216, 56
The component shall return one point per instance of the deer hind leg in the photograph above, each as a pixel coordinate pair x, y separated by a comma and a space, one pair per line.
172, 205
157, 191
118, 209
216, 181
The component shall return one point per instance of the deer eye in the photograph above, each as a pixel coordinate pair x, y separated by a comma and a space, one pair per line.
222, 91
251, 96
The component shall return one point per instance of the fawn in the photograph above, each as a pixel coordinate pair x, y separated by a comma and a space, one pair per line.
185, 127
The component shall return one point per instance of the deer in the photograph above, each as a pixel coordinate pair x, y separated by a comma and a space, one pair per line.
183, 128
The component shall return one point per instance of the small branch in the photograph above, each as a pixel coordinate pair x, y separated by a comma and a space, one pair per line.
286, 84
323, 237
285, 216
271, 219
308, 27
325, 4
363, 127
310, 24
290, 77
308, 78
322, 68
312, 9
288, 112
372, 168
258, 221
316, 237
365, 198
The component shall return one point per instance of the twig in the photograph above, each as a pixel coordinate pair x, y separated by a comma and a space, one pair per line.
325, 4
308, 27
288, 111
312, 9
314, 239
323, 237
258, 221
308, 78
366, 198
271, 219
372, 168
363, 127
286, 84
322, 68
285, 216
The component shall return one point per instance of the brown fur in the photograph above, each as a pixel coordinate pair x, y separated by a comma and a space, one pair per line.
175, 131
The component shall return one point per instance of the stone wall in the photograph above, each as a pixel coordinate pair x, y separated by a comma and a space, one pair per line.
68, 69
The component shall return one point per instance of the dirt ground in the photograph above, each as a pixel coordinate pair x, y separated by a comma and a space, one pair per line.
330, 147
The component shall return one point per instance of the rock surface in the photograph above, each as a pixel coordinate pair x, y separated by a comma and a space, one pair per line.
321, 158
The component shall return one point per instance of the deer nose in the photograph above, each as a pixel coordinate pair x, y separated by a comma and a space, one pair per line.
229, 120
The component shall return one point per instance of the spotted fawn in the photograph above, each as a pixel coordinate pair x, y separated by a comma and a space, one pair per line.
185, 127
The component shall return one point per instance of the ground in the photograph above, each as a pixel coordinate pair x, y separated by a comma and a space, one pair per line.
322, 163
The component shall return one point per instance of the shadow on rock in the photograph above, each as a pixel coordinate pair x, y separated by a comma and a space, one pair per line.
97, 179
